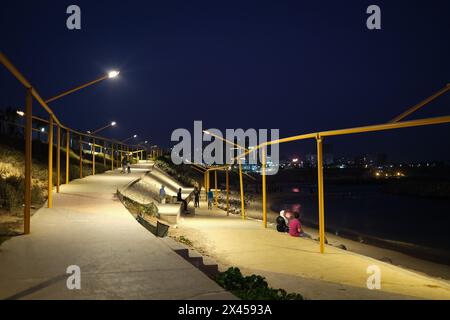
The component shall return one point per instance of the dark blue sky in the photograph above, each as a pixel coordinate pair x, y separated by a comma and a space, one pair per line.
300, 66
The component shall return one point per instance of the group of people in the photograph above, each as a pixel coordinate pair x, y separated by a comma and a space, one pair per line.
290, 222
126, 165
162, 196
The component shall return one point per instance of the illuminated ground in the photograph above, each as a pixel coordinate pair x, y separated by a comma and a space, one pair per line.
89, 227
296, 264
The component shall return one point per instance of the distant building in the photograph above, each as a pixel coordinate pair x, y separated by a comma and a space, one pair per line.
371, 160
328, 157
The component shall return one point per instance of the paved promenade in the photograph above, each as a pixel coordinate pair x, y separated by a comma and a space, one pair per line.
297, 266
90, 228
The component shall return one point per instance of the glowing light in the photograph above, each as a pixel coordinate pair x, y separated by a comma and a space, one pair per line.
20, 113
113, 74
113, 123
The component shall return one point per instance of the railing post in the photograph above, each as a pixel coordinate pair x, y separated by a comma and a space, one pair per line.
58, 158
50, 162
264, 188
321, 197
93, 156
118, 162
81, 156
112, 156
241, 185
28, 160
104, 153
67, 155
121, 154
205, 185
216, 193
228, 190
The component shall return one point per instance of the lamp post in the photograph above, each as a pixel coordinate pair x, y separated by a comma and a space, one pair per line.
109, 125
111, 75
241, 180
128, 148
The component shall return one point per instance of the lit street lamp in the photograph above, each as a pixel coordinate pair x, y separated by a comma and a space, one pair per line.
112, 124
111, 75
132, 137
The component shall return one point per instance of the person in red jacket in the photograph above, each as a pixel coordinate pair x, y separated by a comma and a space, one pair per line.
295, 227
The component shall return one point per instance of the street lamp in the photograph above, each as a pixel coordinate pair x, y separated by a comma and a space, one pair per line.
132, 137
111, 75
112, 124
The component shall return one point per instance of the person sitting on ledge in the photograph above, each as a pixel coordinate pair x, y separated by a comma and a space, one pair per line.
295, 227
180, 199
282, 222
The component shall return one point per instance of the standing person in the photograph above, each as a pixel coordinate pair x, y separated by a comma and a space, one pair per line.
210, 199
129, 165
196, 198
162, 194
124, 164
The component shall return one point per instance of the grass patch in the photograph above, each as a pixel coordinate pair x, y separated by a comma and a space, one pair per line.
140, 209
185, 241
253, 287
3, 239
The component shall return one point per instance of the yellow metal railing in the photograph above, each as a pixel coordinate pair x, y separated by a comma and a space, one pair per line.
53, 121
319, 136
394, 124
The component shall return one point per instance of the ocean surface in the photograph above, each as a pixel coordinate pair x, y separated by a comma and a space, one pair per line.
367, 210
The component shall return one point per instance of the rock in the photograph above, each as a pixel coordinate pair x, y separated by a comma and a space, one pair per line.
341, 246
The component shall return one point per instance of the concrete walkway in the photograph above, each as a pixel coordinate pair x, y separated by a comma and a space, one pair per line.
296, 265
90, 228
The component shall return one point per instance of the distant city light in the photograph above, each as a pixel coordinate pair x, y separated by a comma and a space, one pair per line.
42, 129
295, 160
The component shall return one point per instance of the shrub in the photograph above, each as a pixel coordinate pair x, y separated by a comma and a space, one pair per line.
253, 287
185, 241
149, 209
11, 192
37, 195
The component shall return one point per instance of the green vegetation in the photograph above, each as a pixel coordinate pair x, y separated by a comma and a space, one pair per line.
253, 287
183, 173
185, 241
3, 239
12, 167
140, 209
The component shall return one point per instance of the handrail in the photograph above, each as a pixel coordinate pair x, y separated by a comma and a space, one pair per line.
5, 61
16, 73
421, 104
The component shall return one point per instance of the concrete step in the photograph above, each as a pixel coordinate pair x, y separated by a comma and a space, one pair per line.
205, 264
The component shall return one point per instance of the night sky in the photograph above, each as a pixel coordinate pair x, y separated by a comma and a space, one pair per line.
300, 66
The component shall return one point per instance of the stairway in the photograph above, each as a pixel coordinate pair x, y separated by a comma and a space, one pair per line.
204, 264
